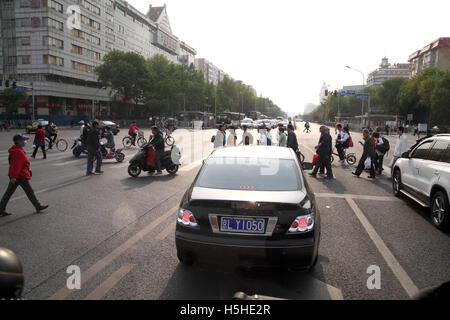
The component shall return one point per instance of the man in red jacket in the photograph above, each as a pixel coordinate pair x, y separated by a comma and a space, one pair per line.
19, 175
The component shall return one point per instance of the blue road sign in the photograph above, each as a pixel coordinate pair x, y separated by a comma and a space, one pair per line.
20, 89
362, 97
343, 93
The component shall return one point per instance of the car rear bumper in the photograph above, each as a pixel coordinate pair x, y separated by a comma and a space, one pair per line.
299, 253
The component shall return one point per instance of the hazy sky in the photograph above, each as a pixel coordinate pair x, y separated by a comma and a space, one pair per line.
286, 49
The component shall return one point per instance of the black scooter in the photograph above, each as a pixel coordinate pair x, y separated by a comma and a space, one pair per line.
170, 161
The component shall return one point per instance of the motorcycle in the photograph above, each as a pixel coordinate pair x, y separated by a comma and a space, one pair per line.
170, 161
79, 148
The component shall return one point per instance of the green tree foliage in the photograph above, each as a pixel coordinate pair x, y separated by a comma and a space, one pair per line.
161, 87
426, 96
13, 99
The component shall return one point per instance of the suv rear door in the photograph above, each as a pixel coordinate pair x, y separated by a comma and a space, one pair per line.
432, 171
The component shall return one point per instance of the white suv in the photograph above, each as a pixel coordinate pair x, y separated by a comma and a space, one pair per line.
423, 174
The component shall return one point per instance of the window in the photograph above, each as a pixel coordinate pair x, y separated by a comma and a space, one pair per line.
83, 35
57, 61
82, 67
52, 5
25, 59
92, 23
23, 22
85, 52
52, 23
11, 61
252, 174
109, 17
89, 6
53, 42
422, 151
24, 41
439, 151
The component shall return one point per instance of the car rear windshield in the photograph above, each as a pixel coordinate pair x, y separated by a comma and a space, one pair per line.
252, 174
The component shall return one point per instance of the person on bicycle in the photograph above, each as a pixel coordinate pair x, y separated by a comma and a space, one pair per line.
132, 132
51, 134
342, 142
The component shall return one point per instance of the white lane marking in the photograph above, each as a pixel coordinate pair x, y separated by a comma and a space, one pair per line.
167, 231
391, 261
64, 292
109, 283
355, 196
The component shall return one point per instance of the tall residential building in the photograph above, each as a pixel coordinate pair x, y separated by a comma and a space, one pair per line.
211, 73
387, 71
435, 54
56, 44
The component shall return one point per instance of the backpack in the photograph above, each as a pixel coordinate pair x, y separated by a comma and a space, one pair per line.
386, 143
269, 141
213, 139
350, 142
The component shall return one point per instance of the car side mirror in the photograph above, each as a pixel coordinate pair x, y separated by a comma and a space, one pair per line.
406, 155
307, 166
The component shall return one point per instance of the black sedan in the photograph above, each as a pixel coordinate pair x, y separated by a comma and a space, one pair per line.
249, 206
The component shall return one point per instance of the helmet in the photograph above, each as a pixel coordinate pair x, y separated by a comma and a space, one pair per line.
11, 275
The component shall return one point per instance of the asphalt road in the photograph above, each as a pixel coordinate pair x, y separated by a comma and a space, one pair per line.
120, 232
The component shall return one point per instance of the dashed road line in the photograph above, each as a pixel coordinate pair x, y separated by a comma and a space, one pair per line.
109, 283
167, 231
64, 292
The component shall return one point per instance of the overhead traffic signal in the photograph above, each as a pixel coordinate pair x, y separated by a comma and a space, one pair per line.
14, 85
326, 93
207, 102
7, 84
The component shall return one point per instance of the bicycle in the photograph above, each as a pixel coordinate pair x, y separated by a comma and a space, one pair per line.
168, 139
61, 144
349, 158
128, 141
300, 156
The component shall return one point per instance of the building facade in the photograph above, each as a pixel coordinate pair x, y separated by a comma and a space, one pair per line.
56, 44
211, 73
435, 54
387, 71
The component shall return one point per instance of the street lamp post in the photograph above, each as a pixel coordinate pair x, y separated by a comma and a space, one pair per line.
364, 85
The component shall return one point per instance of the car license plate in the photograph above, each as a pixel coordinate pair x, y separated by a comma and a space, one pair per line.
242, 225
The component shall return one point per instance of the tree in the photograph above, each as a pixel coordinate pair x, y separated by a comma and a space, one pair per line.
13, 99
127, 74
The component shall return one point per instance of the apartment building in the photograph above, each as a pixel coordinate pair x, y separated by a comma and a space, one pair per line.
435, 54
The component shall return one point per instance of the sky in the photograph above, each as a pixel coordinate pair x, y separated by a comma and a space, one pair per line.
287, 49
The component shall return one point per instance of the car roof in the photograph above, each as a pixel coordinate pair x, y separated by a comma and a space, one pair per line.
267, 152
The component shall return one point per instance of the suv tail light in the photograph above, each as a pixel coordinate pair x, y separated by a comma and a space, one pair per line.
186, 219
302, 224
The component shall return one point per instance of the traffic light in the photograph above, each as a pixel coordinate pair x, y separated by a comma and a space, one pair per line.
326, 93
7, 84
1, 83
207, 102
14, 85
335, 93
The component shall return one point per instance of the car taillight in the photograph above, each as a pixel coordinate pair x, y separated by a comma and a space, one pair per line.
302, 224
118, 127
186, 218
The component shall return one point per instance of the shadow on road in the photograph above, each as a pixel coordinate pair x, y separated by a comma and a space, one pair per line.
199, 283
144, 180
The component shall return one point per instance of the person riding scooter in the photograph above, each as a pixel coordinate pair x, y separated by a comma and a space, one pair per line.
158, 143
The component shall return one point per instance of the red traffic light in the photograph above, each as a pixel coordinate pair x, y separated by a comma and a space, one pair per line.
326, 93
207, 98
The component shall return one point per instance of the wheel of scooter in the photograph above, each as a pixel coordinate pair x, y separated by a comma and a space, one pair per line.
173, 169
120, 157
134, 170
76, 152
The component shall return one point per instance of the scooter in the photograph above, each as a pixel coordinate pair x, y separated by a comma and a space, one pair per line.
144, 161
79, 148
116, 154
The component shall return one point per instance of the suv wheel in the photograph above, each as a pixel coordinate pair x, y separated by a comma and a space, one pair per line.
440, 211
397, 183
